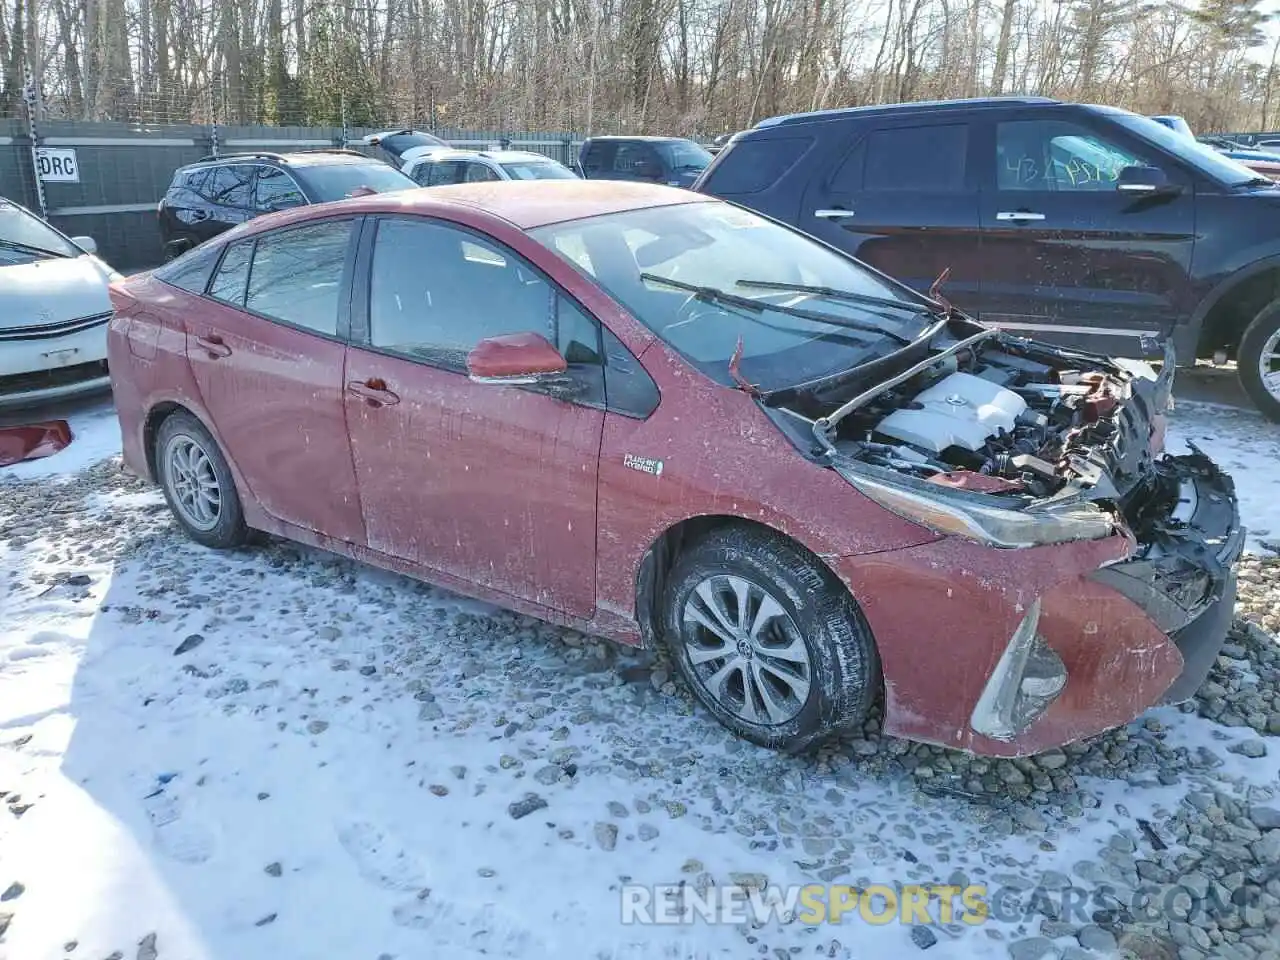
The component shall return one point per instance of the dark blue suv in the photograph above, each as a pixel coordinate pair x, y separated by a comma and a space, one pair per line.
1086, 225
669, 160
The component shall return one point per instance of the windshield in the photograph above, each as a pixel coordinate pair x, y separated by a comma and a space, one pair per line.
538, 170
684, 155
1204, 158
24, 237
722, 248
334, 181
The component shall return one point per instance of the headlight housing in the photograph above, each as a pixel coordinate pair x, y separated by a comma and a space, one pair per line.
977, 516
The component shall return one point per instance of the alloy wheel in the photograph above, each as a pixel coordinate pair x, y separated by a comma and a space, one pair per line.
193, 482
1269, 365
746, 651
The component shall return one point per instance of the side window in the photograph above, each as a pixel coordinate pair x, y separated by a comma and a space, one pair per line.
479, 173
598, 157
276, 190
193, 179
755, 165
446, 172
421, 174
297, 275
230, 185
1053, 155
930, 159
191, 271
437, 291
634, 158
848, 176
233, 273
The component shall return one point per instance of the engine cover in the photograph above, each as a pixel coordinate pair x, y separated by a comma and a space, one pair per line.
959, 411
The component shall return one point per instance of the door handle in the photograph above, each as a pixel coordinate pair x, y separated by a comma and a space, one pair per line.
835, 213
1019, 216
213, 345
373, 391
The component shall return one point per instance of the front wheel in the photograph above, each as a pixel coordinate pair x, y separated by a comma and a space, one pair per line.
1258, 360
768, 639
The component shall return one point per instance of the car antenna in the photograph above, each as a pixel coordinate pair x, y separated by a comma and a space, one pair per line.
935, 291
745, 385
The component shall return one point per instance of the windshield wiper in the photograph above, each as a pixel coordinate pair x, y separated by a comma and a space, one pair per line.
29, 248
715, 295
832, 293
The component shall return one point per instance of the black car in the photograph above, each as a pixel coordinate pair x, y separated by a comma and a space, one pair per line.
669, 160
216, 193
1086, 225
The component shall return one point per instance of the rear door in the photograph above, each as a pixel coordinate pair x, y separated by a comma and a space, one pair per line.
493, 485
902, 195
267, 353
1066, 256
229, 190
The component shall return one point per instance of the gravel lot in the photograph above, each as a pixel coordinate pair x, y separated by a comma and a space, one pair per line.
278, 753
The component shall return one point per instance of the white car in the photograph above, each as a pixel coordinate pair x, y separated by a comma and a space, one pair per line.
54, 311
437, 167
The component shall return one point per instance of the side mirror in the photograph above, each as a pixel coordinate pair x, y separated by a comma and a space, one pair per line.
1149, 180
515, 359
87, 244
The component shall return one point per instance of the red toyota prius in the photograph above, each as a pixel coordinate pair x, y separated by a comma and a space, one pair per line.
662, 419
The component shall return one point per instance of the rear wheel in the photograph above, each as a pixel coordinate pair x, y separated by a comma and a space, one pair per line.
768, 639
1258, 360
197, 483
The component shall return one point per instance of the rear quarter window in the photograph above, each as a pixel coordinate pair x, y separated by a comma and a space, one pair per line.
190, 271
754, 165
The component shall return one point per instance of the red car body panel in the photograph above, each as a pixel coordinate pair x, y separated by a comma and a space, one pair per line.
533, 503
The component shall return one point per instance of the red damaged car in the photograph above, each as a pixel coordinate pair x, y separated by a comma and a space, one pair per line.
659, 418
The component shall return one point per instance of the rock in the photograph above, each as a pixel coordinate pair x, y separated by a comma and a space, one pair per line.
430, 711
147, 947
328, 633
188, 644
1030, 818
1052, 760
1032, 948
486, 872
368, 670
1053, 929
70, 946
647, 832
14, 891
1265, 818
522, 808
459, 772
606, 835
5, 920
1267, 850
749, 881
923, 937
1093, 937
1253, 749
317, 726
549, 775
618, 810
269, 918
1053, 880
439, 789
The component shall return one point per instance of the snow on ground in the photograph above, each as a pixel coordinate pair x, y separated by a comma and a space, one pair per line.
276, 753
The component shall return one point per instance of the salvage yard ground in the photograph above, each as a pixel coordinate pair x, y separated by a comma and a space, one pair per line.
279, 754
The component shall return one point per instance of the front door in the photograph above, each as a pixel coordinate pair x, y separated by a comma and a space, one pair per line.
903, 198
495, 485
1069, 258
267, 355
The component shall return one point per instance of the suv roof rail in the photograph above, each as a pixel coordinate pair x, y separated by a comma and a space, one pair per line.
253, 154
922, 105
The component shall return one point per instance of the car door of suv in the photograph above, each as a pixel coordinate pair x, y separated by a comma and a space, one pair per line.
1068, 257
229, 190
266, 349
492, 485
902, 196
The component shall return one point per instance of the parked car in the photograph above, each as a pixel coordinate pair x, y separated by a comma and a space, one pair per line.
443, 167
1264, 162
54, 310
660, 418
669, 160
1084, 225
216, 193
399, 147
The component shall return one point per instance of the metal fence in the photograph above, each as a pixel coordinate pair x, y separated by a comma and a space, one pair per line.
122, 170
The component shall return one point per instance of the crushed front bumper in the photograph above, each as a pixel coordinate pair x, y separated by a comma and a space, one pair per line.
1133, 620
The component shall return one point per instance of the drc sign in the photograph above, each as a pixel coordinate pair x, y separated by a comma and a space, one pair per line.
57, 165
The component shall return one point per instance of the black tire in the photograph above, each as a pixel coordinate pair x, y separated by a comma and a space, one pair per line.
228, 530
1256, 336
843, 666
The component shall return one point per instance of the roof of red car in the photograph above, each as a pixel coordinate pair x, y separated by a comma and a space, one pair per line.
535, 203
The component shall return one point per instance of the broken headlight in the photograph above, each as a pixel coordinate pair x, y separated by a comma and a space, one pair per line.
980, 517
